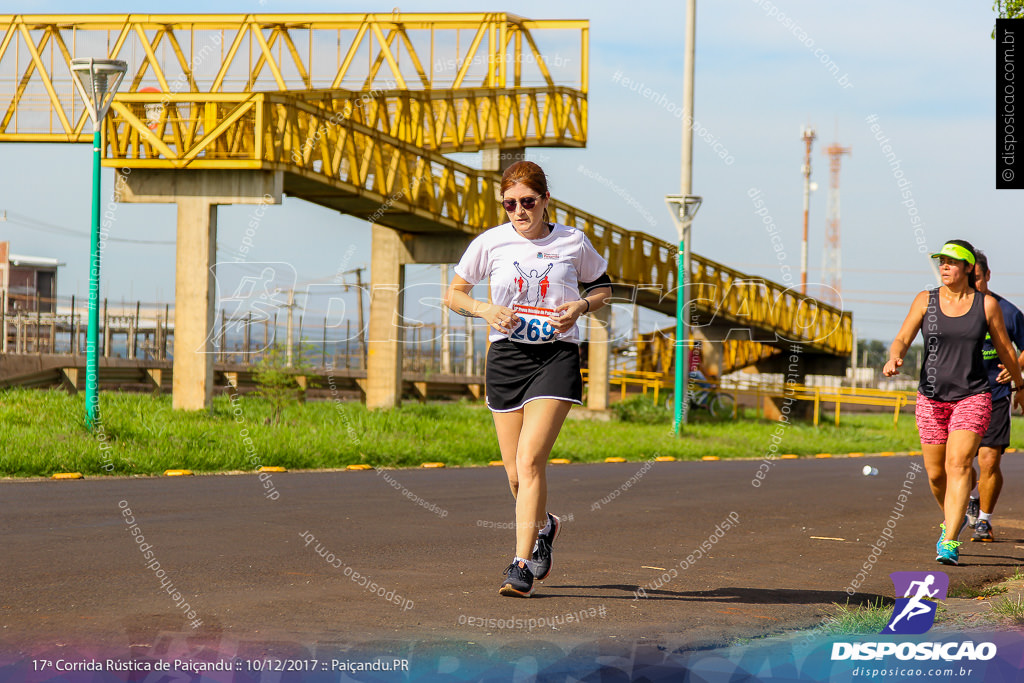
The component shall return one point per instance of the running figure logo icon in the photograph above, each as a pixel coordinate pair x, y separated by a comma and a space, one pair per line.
532, 287
914, 613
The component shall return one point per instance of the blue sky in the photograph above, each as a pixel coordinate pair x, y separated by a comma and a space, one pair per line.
924, 71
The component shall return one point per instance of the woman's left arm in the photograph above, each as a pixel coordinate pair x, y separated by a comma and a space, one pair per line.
596, 292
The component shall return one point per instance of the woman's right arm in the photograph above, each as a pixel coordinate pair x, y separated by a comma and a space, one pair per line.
458, 298
905, 337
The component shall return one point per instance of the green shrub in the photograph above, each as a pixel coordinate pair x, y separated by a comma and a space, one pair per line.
641, 410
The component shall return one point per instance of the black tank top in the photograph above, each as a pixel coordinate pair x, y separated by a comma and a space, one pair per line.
953, 367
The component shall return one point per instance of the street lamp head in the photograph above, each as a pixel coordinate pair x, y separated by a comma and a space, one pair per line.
684, 208
97, 81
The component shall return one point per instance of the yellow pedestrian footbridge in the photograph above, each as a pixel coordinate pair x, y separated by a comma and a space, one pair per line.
356, 112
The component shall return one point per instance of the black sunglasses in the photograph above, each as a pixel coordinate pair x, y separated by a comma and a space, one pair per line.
526, 202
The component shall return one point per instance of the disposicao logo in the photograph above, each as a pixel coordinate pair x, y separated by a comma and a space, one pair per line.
914, 613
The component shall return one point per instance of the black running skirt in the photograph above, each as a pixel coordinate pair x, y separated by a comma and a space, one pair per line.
518, 373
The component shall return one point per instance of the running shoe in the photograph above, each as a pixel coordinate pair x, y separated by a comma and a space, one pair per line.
949, 553
983, 532
973, 510
519, 583
542, 548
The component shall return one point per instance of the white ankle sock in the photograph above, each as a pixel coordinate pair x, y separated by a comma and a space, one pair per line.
985, 516
530, 564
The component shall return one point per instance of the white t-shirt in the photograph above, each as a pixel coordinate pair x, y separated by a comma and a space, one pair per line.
532, 276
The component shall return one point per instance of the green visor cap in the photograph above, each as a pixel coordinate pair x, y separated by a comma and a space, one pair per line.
955, 251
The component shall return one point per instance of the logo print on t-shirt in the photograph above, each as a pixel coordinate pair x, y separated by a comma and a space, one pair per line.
532, 287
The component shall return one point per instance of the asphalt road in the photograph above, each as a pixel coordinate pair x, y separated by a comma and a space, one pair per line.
432, 545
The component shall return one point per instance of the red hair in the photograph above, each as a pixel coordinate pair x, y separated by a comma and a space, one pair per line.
529, 174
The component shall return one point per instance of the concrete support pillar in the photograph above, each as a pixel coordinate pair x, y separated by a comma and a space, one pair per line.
195, 304
384, 347
773, 406
598, 358
795, 369
499, 159
711, 354
197, 194
392, 250
446, 342
470, 347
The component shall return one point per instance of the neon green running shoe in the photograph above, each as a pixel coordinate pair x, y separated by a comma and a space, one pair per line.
949, 553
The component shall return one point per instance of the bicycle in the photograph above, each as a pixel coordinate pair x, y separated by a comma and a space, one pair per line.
703, 396
717, 403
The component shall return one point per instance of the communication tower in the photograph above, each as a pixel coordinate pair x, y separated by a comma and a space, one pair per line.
831, 262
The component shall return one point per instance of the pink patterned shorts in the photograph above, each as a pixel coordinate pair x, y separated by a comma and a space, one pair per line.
936, 419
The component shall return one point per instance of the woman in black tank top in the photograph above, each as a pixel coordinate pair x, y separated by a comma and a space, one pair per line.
953, 403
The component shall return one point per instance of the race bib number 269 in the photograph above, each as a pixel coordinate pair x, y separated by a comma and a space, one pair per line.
533, 326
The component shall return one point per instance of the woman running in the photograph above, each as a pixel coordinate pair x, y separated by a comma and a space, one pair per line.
953, 400
536, 271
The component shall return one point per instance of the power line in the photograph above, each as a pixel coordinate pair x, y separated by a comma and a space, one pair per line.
35, 224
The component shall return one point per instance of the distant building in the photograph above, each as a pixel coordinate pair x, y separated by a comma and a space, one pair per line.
25, 280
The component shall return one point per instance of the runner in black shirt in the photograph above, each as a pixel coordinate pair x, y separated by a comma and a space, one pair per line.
997, 437
953, 401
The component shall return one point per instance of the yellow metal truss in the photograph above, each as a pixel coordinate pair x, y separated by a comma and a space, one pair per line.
466, 119
656, 353
736, 299
738, 354
208, 53
445, 121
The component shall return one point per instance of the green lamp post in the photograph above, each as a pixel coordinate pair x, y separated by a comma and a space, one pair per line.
684, 209
97, 81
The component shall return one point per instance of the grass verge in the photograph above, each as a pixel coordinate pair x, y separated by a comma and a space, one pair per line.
42, 432
856, 620
965, 591
1011, 609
